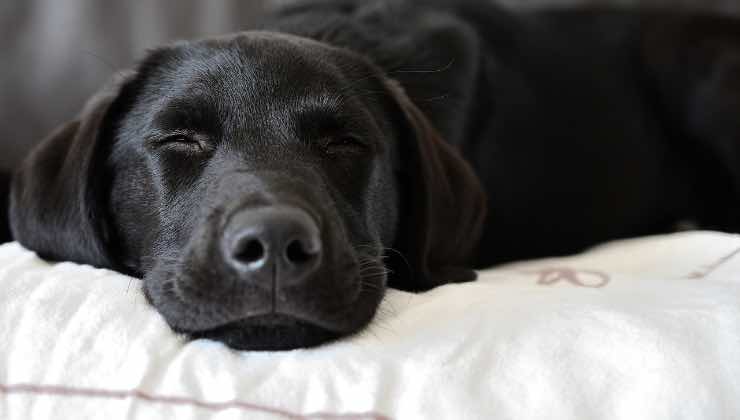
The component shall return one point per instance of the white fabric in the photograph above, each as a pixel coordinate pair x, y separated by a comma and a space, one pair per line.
659, 339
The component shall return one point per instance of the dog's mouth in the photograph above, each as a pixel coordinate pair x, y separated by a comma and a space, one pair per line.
295, 328
269, 332
258, 326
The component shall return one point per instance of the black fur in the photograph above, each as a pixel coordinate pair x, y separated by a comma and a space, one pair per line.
382, 120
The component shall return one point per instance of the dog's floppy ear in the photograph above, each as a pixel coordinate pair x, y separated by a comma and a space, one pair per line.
57, 205
443, 204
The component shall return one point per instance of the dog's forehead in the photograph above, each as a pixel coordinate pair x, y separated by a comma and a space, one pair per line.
270, 62
255, 69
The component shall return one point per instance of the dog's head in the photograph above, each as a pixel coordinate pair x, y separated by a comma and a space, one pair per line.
266, 187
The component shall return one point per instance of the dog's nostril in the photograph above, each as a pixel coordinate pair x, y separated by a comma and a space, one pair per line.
250, 251
297, 254
273, 242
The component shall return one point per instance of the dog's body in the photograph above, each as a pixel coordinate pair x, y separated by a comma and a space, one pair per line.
322, 137
584, 126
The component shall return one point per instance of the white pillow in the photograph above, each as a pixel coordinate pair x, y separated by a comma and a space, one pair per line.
641, 329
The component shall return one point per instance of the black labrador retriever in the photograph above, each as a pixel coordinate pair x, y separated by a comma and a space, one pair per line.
270, 184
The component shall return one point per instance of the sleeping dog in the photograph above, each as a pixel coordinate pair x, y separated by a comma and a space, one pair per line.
268, 185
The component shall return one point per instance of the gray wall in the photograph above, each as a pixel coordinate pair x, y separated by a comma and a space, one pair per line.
55, 53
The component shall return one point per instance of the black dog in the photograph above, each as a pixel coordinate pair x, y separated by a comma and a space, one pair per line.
270, 184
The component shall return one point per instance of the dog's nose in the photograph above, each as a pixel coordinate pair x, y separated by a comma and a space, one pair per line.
273, 241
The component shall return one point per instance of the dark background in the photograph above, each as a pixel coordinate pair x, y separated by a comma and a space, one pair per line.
56, 53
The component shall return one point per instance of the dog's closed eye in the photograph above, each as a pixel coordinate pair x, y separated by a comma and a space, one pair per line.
181, 142
344, 144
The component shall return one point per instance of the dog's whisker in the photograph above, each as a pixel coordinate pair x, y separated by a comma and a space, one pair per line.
374, 276
371, 278
374, 272
371, 271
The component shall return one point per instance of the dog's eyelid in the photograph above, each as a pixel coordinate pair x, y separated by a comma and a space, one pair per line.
344, 143
180, 140
345, 139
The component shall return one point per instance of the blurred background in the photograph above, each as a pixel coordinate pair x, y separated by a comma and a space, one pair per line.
56, 53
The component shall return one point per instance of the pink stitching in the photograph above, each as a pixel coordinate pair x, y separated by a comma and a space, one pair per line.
64, 391
708, 269
549, 276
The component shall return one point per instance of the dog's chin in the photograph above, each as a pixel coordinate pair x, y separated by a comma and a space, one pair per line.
245, 320
269, 332
283, 331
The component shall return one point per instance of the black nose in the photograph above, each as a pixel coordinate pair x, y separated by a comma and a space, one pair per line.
279, 242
